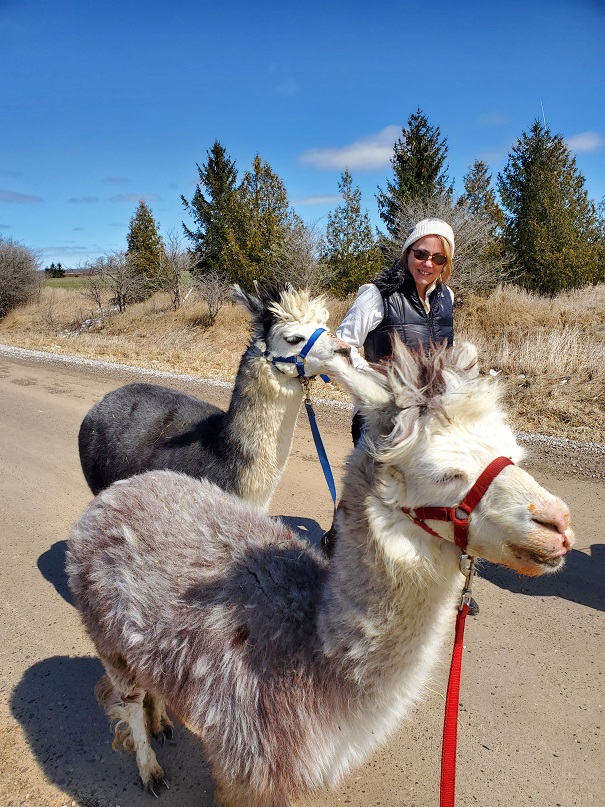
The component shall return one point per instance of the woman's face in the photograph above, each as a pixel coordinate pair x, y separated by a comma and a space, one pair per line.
425, 272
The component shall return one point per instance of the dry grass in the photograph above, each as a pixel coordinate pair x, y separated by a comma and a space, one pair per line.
149, 334
549, 352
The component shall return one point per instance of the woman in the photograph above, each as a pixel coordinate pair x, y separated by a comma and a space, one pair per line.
410, 299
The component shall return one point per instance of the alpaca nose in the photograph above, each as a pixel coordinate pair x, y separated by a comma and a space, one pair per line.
554, 513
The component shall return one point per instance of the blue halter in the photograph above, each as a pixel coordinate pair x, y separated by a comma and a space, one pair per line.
299, 359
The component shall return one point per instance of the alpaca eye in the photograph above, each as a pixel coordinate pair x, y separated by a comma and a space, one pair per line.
294, 340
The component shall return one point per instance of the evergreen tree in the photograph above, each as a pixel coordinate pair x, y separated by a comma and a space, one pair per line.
352, 254
480, 198
418, 168
55, 270
552, 229
263, 220
214, 212
145, 248
480, 195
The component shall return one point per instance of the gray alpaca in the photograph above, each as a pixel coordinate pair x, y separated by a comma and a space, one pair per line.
292, 669
142, 427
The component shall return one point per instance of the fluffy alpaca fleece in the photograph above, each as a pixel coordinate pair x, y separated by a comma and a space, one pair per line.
290, 668
142, 427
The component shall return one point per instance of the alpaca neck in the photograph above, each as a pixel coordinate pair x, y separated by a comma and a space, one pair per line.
393, 587
259, 426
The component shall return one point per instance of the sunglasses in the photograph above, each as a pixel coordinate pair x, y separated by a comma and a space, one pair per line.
424, 255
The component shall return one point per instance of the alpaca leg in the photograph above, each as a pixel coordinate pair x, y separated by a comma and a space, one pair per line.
130, 730
160, 725
114, 709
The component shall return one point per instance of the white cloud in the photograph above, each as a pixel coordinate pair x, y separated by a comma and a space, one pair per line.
586, 141
18, 198
83, 200
76, 251
497, 154
366, 154
326, 199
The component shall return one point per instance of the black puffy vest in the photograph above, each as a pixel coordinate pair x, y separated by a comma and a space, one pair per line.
405, 315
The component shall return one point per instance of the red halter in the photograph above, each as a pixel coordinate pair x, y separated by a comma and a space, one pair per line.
461, 514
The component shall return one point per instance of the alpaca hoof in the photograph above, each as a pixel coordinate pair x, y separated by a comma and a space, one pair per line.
155, 783
166, 733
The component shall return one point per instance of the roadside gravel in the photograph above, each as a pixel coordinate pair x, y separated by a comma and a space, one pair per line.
561, 455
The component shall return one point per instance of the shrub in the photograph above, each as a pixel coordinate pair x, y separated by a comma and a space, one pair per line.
20, 275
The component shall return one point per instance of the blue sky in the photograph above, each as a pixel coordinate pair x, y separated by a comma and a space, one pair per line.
104, 103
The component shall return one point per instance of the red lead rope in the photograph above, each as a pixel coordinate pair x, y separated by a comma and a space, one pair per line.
459, 516
450, 722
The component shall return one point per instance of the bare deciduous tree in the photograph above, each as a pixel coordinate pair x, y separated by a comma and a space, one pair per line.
95, 289
298, 259
20, 276
175, 262
476, 266
213, 288
114, 272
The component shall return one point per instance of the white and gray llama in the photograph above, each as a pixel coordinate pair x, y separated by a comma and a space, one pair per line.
141, 427
291, 668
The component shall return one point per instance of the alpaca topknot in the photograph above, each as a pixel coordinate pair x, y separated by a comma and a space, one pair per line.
297, 306
439, 384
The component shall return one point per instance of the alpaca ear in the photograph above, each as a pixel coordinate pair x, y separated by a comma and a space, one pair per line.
255, 307
467, 358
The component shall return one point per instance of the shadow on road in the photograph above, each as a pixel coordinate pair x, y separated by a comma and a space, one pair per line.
52, 568
305, 527
71, 739
581, 579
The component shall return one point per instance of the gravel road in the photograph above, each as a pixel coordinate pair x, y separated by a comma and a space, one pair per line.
531, 723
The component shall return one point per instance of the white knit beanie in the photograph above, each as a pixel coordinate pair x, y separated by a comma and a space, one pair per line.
429, 227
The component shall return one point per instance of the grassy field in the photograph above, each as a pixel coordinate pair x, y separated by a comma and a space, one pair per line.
68, 282
548, 352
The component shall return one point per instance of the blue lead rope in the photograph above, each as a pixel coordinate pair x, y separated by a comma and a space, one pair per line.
299, 361
321, 451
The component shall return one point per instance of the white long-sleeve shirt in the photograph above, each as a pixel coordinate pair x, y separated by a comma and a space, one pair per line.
366, 314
